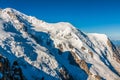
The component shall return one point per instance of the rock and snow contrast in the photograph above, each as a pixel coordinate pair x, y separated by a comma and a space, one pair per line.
37, 50
117, 44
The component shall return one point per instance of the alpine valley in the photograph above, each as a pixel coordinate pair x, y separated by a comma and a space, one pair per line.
32, 49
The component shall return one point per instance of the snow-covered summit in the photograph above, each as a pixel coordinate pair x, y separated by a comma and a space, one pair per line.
9, 10
56, 51
99, 36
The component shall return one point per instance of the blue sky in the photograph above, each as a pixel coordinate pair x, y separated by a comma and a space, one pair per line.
96, 16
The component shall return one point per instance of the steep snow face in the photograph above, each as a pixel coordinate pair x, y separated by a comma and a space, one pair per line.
56, 51
16, 44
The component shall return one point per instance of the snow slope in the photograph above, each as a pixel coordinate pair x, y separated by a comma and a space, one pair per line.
56, 51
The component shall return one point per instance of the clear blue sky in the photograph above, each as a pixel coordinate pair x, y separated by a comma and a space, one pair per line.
100, 16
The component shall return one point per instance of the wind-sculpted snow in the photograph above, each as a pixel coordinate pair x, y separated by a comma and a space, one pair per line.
56, 51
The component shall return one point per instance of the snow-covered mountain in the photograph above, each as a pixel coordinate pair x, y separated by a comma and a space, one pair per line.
55, 51
117, 44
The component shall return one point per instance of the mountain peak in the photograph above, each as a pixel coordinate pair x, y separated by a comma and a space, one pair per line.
99, 36
8, 9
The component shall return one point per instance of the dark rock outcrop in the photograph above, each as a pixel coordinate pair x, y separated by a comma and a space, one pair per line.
8, 72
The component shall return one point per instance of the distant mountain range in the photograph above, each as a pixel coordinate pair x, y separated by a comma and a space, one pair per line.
36, 50
116, 42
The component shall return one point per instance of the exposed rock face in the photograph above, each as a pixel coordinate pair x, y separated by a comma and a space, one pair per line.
83, 65
4, 68
115, 50
16, 72
10, 73
64, 74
